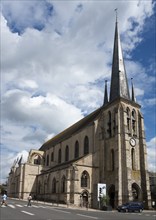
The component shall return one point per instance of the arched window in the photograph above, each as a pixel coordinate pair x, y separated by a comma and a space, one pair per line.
128, 118
85, 179
133, 158
109, 124
86, 145
76, 149
114, 121
37, 159
52, 156
59, 156
67, 153
47, 161
63, 184
112, 160
134, 121
133, 114
54, 186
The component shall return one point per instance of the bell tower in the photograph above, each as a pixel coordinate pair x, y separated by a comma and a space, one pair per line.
125, 169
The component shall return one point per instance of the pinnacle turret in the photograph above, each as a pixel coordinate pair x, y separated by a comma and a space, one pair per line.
106, 94
133, 95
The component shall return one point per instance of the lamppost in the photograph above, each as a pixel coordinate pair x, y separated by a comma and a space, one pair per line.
99, 201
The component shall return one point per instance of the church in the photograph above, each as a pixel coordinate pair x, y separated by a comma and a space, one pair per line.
106, 148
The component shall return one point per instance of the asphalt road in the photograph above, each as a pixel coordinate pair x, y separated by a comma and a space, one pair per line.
18, 210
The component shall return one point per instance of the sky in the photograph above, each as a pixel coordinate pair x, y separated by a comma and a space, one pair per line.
55, 57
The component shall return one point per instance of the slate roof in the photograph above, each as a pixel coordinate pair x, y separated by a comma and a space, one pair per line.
71, 130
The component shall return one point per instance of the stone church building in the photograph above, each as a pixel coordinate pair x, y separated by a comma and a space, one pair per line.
108, 146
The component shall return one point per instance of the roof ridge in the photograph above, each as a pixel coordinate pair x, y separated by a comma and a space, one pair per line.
72, 129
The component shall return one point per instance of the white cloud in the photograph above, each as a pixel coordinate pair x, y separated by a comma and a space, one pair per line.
139, 92
151, 153
7, 161
28, 84
49, 136
23, 14
24, 155
50, 78
150, 102
42, 111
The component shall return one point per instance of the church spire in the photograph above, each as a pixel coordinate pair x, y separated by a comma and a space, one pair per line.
106, 94
119, 83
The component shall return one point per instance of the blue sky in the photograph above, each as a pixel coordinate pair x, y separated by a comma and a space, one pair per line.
54, 60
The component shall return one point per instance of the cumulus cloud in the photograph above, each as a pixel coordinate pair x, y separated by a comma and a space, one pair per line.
40, 110
26, 14
151, 152
8, 159
55, 57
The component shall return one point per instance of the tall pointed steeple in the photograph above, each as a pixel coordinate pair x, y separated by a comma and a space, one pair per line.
106, 94
119, 83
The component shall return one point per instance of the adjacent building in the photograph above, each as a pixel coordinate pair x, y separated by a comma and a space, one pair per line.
108, 146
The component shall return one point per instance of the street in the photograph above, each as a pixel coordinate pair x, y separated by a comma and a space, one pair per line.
18, 210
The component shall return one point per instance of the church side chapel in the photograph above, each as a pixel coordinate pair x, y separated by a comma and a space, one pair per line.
108, 146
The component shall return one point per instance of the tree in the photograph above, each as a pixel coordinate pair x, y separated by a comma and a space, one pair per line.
105, 200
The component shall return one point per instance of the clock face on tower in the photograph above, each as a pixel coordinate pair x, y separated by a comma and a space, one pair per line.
132, 142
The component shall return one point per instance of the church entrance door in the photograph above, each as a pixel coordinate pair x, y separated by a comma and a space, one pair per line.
111, 194
136, 192
84, 198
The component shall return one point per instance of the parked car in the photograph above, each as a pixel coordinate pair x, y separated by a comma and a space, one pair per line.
131, 207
